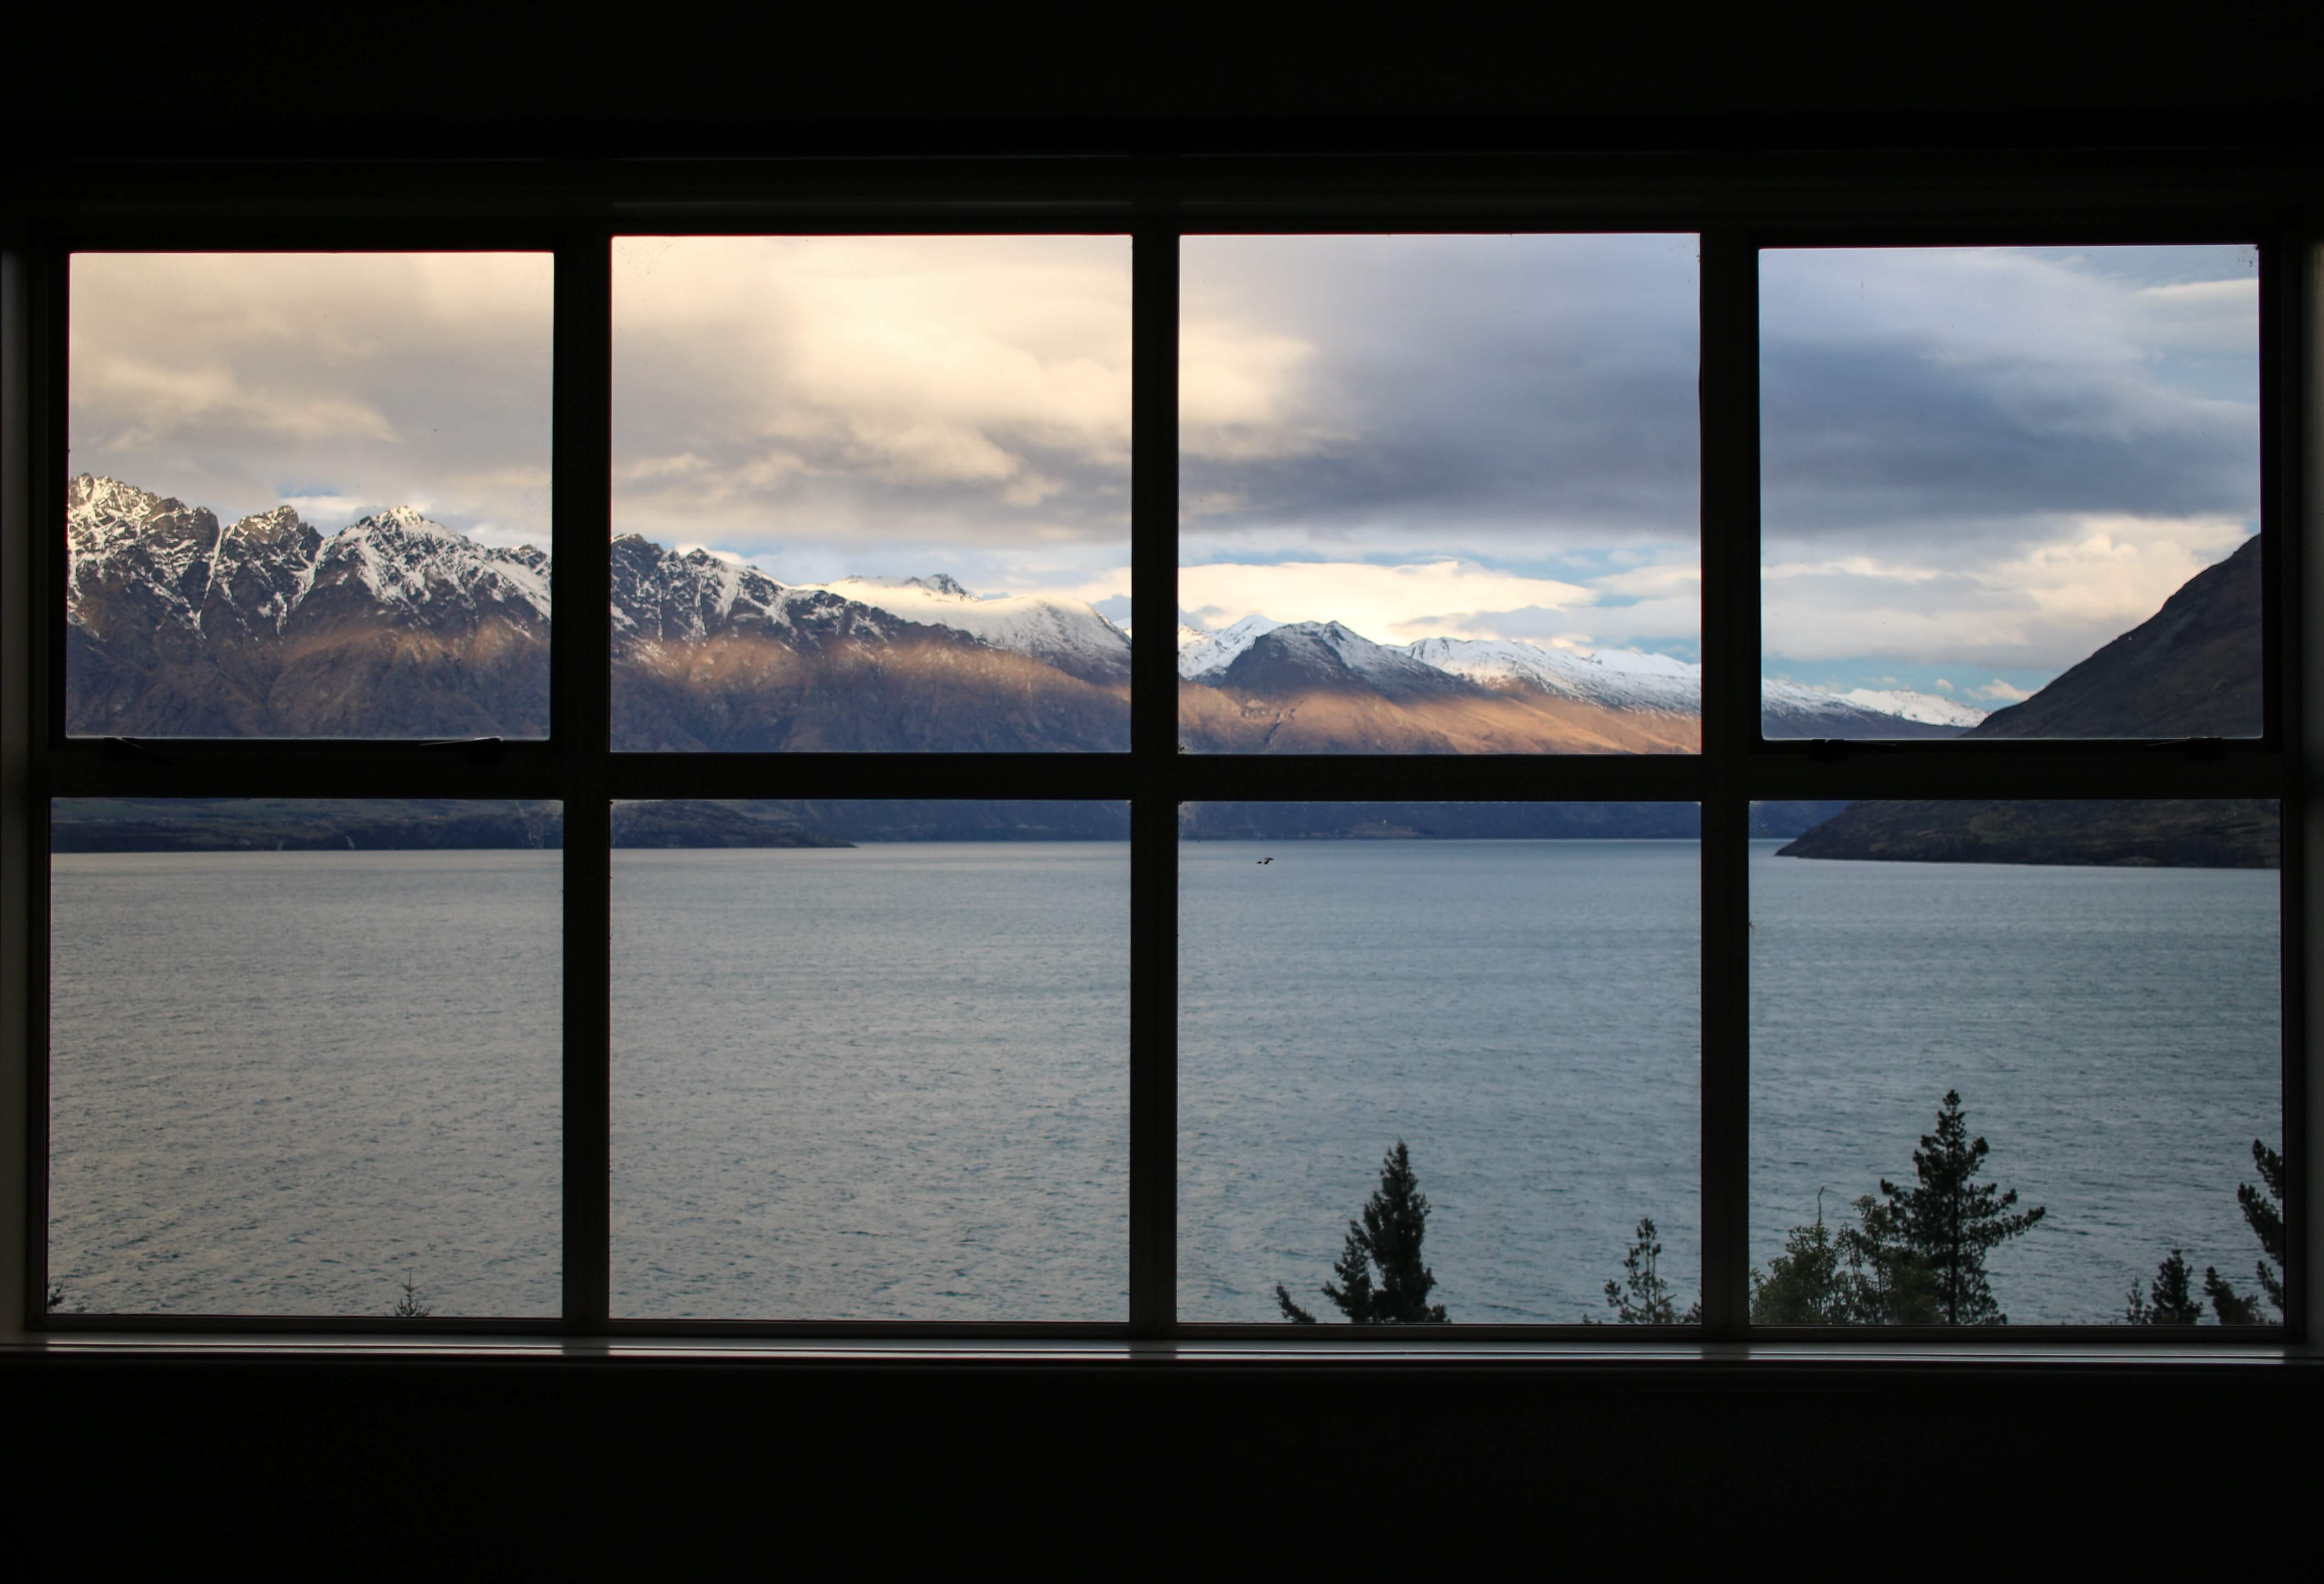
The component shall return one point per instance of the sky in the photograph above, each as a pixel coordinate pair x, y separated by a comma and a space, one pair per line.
826, 407
1978, 465
340, 383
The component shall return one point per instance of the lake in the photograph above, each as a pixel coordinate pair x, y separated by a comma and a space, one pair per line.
890, 1082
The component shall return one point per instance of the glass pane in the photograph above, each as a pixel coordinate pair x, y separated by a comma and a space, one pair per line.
1438, 495
303, 1057
310, 495
2093, 987
1506, 993
2010, 492
872, 494
872, 1060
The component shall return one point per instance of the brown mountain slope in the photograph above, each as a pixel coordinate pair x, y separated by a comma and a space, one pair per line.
2191, 669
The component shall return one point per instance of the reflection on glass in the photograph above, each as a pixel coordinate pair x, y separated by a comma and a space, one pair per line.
2010, 492
303, 1057
872, 494
1438, 495
310, 495
1497, 1001
871, 1060
2076, 1002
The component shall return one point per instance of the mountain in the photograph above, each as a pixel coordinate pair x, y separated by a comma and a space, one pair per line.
2191, 669
710, 655
393, 627
1317, 688
2212, 833
398, 627
1063, 633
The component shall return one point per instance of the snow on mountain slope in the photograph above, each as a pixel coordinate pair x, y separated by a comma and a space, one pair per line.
1199, 651
1615, 678
1925, 708
1065, 633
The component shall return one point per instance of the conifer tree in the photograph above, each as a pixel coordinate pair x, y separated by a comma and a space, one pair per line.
1387, 1239
2174, 1302
1950, 1221
2263, 1214
1642, 1297
1862, 1275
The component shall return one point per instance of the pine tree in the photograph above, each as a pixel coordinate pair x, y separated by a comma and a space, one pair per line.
2263, 1214
1950, 1221
2174, 1302
413, 1303
1862, 1275
1388, 1238
1801, 1286
1642, 1297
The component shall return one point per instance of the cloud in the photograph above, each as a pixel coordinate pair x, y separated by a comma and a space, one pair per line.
2054, 601
1997, 689
234, 381
863, 389
1942, 684
1464, 394
1388, 604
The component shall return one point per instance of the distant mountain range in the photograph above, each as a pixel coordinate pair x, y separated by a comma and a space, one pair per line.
177, 625
125, 824
396, 626
1319, 687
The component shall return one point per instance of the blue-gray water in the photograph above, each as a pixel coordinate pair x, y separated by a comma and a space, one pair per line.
891, 1081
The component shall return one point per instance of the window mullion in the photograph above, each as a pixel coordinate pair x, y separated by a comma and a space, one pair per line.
1731, 731
581, 713
1153, 740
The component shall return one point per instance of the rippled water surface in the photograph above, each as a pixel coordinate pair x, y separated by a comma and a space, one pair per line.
893, 1082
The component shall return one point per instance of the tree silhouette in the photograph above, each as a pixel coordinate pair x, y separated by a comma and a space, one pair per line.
1950, 1221
2174, 1302
1387, 1239
412, 1304
1862, 1275
1642, 1297
2263, 1214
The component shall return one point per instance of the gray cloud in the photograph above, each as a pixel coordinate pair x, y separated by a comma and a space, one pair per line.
345, 382
1488, 391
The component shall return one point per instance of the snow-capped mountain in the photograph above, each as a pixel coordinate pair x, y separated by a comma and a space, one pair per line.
399, 627
1926, 708
1199, 651
1614, 697
1616, 678
1072, 636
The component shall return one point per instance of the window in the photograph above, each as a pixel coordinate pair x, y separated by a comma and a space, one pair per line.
1071, 434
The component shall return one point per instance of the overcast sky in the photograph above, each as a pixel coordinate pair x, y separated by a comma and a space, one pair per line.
341, 383
1979, 464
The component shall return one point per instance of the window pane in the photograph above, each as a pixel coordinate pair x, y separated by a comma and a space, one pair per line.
303, 1057
871, 1060
1508, 992
310, 495
2010, 492
2097, 983
1438, 495
872, 494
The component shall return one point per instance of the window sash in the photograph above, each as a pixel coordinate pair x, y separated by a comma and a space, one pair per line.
1734, 768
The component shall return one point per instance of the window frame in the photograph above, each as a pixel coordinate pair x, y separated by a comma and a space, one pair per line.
1154, 198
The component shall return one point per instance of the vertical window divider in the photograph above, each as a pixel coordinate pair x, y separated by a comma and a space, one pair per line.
581, 694
1154, 809
1729, 394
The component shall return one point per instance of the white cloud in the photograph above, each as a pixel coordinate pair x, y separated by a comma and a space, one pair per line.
1942, 683
2069, 587
1388, 604
1997, 689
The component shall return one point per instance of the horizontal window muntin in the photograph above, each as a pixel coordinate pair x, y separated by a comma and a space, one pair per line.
1775, 769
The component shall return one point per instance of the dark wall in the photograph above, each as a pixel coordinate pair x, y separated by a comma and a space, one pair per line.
498, 1470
